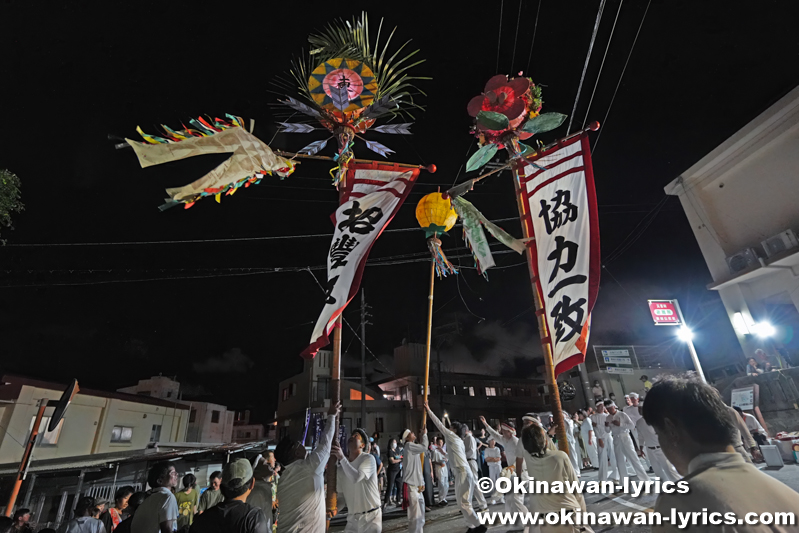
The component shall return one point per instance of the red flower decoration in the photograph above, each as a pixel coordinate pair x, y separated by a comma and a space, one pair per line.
502, 96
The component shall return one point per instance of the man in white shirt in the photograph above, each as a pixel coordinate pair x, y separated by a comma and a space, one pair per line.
697, 436
620, 425
301, 490
470, 447
589, 437
507, 437
357, 480
464, 479
439, 457
632, 411
574, 450
83, 521
649, 441
757, 431
159, 512
604, 442
413, 477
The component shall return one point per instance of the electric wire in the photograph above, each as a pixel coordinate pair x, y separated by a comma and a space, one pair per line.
601, 65
585, 66
535, 30
516, 37
499, 32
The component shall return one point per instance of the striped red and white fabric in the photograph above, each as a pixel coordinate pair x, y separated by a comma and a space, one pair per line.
562, 215
373, 194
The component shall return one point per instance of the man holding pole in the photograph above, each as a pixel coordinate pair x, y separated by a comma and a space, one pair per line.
465, 484
358, 482
301, 491
514, 502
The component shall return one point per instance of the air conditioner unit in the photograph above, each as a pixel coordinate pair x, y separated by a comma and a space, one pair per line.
780, 242
742, 261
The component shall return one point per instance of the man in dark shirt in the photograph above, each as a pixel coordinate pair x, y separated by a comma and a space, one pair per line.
234, 515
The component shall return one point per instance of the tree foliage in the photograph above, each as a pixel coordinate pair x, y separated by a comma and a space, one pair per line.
10, 193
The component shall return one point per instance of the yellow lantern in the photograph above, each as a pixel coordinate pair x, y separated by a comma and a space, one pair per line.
436, 214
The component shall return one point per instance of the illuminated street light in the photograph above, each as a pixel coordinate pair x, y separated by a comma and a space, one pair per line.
685, 334
764, 329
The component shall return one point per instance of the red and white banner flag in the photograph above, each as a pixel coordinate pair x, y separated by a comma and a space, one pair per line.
561, 213
372, 196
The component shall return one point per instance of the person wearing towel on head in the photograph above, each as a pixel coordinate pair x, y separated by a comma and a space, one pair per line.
357, 480
413, 476
604, 443
465, 484
514, 503
649, 440
620, 425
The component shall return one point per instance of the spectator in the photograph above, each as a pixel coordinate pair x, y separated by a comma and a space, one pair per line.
755, 429
597, 391
116, 514
234, 514
6, 524
213, 495
84, 521
135, 500
752, 369
647, 383
697, 435
21, 520
393, 473
262, 495
768, 368
187, 499
159, 512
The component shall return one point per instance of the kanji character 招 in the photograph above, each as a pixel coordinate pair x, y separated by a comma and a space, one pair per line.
563, 211
361, 222
562, 313
341, 249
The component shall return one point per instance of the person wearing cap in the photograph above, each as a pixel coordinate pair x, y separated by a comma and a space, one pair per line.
506, 436
159, 512
465, 484
84, 521
234, 515
649, 440
301, 491
697, 436
413, 477
439, 459
620, 426
357, 480
604, 444
262, 495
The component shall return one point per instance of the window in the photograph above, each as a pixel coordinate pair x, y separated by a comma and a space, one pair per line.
379, 425
155, 434
121, 434
285, 394
169, 394
491, 391
47, 438
192, 416
293, 391
404, 393
494, 422
358, 422
322, 389
247, 435
356, 395
508, 391
214, 417
471, 391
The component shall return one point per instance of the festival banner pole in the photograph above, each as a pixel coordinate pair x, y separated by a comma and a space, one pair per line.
540, 312
429, 337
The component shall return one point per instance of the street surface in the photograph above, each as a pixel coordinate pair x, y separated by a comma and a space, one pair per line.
448, 519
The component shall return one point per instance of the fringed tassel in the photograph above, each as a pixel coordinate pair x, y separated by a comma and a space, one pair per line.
202, 128
443, 266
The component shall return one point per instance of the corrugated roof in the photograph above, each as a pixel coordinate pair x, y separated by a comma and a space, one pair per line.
108, 460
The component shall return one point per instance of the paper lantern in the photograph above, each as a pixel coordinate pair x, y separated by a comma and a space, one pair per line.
436, 214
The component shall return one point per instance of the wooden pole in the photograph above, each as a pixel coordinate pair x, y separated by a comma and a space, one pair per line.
543, 331
26, 457
429, 336
335, 396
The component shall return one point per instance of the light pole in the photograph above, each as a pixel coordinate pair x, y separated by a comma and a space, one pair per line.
687, 336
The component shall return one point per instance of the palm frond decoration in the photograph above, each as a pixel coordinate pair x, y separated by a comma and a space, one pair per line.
351, 40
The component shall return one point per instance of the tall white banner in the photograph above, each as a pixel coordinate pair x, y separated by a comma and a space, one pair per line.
562, 215
373, 194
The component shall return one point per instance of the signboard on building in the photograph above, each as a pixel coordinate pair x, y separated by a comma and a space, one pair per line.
618, 360
618, 370
743, 398
664, 313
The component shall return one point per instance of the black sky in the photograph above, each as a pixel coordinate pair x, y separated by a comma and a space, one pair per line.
73, 72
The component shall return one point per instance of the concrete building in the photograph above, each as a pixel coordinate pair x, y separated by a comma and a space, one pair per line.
741, 201
208, 422
246, 431
96, 421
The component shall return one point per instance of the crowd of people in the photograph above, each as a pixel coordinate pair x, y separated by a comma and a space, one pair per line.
680, 430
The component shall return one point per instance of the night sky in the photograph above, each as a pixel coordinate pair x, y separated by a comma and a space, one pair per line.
74, 72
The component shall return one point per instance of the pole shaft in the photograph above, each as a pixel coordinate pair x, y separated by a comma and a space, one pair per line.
543, 331
429, 337
691, 349
363, 359
26, 457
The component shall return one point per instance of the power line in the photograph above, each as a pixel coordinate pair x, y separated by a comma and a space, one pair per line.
601, 65
604, 120
585, 66
516, 37
499, 32
535, 30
